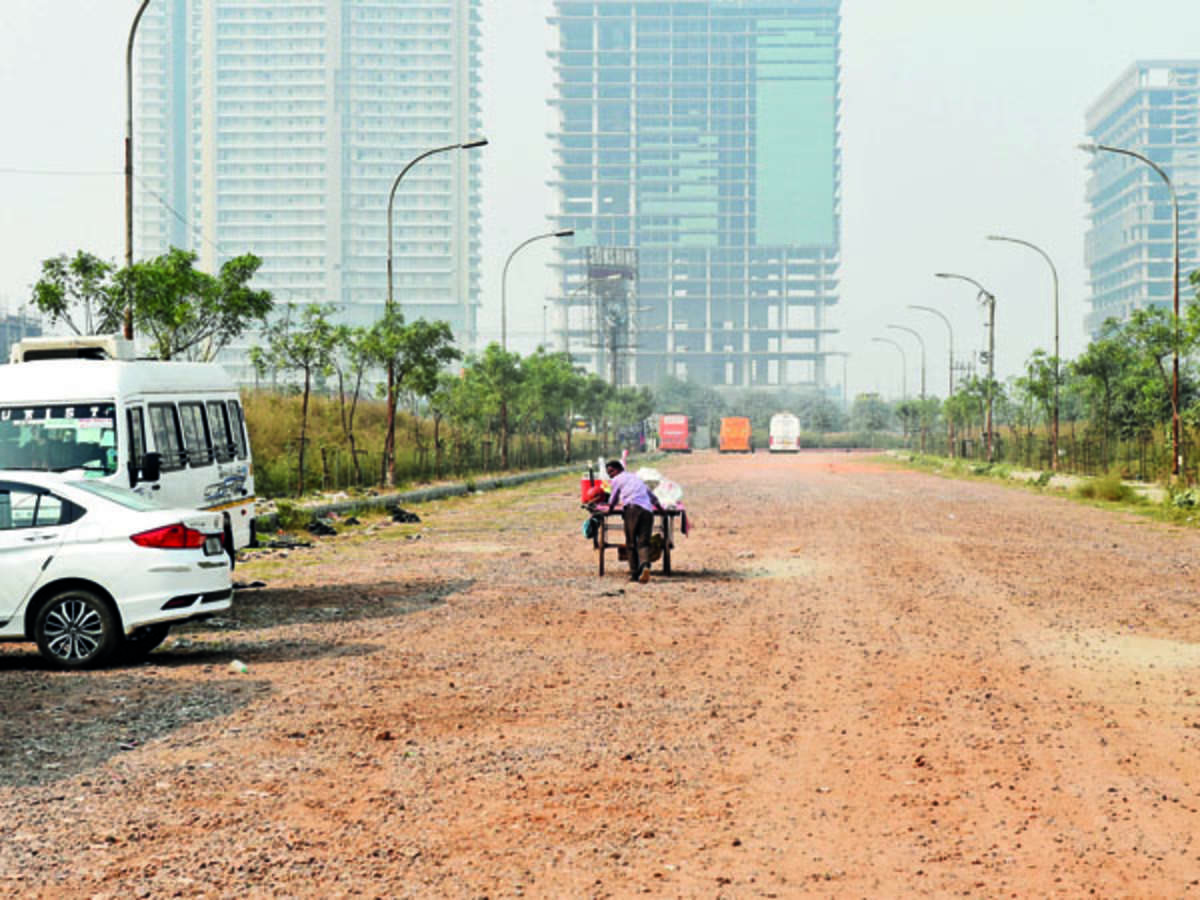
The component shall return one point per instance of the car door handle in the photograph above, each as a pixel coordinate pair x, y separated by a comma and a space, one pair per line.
40, 537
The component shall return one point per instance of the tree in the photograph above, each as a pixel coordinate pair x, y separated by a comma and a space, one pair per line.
630, 406
495, 379
350, 361
308, 347
79, 292
413, 354
444, 403
189, 313
595, 395
1100, 369
909, 414
551, 388
824, 415
870, 413
703, 405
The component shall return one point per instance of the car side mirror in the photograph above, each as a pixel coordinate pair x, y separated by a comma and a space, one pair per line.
151, 466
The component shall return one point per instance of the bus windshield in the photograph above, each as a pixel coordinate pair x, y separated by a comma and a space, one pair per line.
60, 437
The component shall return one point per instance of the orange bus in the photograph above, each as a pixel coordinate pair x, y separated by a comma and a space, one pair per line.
735, 435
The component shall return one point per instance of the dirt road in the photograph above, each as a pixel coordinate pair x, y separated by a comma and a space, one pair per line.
862, 682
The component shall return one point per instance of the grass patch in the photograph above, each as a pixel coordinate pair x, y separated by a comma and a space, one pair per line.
1109, 489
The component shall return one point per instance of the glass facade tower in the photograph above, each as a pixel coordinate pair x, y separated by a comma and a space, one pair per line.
278, 126
703, 137
1152, 109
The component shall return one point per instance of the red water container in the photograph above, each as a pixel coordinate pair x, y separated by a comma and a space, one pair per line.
587, 484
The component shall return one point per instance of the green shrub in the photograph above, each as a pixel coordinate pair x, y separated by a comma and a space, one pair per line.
291, 517
1109, 488
1186, 499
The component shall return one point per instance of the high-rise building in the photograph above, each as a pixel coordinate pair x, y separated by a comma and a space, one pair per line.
16, 327
1153, 109
697, 159
279, 126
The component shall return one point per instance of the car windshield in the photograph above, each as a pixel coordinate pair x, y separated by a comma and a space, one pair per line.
60, 437
117, 494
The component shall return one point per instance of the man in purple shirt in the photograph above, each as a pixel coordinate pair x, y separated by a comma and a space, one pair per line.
637, 511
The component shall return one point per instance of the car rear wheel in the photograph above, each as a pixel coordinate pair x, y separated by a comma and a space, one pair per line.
137, 646
76, 629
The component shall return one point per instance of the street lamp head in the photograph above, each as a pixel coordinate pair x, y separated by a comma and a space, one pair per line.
471, 145
1089, 148
566, 232
943, 275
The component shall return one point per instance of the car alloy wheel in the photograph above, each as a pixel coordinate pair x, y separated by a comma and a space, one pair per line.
76, 629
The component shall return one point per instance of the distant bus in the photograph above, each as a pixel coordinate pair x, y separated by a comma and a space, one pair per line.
674, 433
735, 435
784, 434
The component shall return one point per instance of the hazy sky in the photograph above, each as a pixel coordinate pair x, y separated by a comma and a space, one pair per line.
960, 119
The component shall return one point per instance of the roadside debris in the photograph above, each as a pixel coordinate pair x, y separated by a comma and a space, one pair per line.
283, 542
400, 514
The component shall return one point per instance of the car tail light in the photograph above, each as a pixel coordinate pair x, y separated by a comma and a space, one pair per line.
170, 537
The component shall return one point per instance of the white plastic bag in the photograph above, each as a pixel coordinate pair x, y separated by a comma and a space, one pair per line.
651, 477
668, 493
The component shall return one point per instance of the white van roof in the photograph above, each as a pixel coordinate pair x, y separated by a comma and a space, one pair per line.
79, 346
70, 380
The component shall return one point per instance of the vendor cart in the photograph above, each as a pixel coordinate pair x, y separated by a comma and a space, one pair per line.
610, 533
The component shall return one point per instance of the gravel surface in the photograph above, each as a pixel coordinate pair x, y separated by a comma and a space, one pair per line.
861, 682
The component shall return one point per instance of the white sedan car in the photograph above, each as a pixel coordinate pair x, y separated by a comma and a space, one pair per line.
93, 572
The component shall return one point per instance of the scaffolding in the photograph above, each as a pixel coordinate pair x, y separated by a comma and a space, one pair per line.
600, 312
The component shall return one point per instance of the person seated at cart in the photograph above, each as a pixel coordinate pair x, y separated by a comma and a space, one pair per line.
637, 504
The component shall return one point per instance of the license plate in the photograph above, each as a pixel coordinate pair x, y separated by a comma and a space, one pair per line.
212, 545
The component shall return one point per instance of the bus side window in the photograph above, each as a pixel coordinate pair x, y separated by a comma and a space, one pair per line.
137, 434
164, 423
195, 434
239, 429
218, 418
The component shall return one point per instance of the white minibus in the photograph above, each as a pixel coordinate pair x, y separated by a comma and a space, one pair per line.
171, 431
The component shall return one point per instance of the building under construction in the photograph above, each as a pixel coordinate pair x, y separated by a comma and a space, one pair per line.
697, 161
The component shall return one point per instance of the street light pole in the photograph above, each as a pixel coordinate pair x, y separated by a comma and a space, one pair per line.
920, 341
950, 370
389, 447
1176, 447
990, 299
903, 364
128, 324
1054, 273
566, 232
